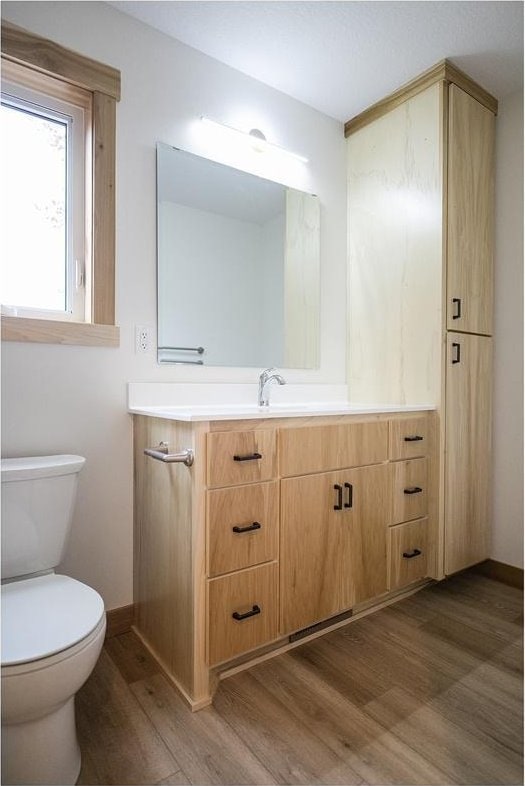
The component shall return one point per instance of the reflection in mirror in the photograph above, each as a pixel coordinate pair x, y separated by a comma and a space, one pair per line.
237, 267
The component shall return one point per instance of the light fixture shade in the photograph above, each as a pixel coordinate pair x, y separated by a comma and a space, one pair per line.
255, 139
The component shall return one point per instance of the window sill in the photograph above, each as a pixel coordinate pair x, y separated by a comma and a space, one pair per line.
47, 331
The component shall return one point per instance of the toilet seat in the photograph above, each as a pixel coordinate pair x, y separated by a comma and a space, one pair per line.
45, 615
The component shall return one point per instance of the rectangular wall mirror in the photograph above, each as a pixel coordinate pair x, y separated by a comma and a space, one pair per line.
238, 267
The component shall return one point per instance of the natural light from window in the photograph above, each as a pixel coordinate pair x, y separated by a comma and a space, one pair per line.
35, 240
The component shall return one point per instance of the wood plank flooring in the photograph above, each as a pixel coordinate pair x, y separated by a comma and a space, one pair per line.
428, 691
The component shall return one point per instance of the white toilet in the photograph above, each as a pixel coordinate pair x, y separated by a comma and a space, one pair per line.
52, 626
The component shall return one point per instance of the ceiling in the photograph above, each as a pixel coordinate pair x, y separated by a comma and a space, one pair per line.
341, 56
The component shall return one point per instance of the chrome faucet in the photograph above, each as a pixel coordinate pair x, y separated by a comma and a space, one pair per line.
267, 376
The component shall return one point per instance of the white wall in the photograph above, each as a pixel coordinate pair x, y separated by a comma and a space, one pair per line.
507, 539
58, 398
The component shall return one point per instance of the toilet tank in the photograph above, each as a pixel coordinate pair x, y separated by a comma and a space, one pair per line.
38, 498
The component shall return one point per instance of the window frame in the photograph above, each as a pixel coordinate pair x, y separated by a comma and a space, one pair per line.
41, 56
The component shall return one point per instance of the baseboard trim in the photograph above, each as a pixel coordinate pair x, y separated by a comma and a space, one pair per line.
499, 571
119, 620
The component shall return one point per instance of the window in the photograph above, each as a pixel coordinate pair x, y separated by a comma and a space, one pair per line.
58, 151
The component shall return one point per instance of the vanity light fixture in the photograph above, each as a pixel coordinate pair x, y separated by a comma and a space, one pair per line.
255, 138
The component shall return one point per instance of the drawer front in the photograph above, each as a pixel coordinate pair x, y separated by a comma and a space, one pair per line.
238, 457
409, 490
408, 553
242, 526
252, 596
324, 448
409, 438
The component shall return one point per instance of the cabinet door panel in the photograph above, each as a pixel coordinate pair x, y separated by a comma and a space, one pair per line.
470, 214
237, 457
332, 558
409, 490
310, 550
408, 553
468, 449
365, 525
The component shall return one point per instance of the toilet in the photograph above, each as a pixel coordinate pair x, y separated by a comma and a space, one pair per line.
52, 625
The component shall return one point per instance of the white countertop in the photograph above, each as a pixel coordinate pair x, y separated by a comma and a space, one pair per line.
249, 412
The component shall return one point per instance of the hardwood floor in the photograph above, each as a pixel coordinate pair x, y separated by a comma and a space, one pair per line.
428, 691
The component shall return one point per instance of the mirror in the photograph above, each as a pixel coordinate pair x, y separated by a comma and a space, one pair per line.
237, 267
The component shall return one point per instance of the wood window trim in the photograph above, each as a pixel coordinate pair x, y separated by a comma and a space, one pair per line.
103, 82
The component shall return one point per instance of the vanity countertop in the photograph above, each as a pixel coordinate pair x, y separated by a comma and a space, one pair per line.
249, 412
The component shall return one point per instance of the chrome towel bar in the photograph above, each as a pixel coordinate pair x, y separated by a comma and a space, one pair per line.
161, 453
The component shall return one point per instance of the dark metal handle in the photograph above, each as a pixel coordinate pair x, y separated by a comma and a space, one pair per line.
350, 495
415, 438
249, 528
411, 554
413, 490
255, 610
250, 457
456, 301
456, 348
339, 490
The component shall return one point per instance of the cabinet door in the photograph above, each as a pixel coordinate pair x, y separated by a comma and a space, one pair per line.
333, 543
467, 450
470, 214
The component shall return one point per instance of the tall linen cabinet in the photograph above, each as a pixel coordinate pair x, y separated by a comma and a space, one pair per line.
420, 278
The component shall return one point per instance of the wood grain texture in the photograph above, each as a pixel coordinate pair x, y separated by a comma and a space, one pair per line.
409, 438
468, 451
394, 255
409, 476
47, 331
119, 620
44, 55
163, 547
241, 507
470, 214
331, 559
407, 539
426, 691
322, 448
302, 262
104, 161
443, 72
241, 592
224, 470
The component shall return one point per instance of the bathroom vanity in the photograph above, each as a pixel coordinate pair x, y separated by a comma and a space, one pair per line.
287, 523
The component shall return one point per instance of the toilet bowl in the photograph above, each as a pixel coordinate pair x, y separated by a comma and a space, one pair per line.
53, 626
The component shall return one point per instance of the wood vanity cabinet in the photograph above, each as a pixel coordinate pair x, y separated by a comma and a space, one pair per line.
420, 215
279, 525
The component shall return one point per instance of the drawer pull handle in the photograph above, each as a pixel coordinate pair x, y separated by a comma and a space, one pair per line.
411, 554
413, 490
250, 457
239, 617
249, 528
456, 349
339, 489
350, 495
456, 303
415, 438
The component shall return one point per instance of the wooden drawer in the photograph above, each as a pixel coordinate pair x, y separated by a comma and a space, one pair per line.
409, 437
323, 448
237, 457
409, 490
242, 526
408, 553
253, 590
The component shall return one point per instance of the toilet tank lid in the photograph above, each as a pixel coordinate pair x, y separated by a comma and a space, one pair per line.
45, 615
28, 468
